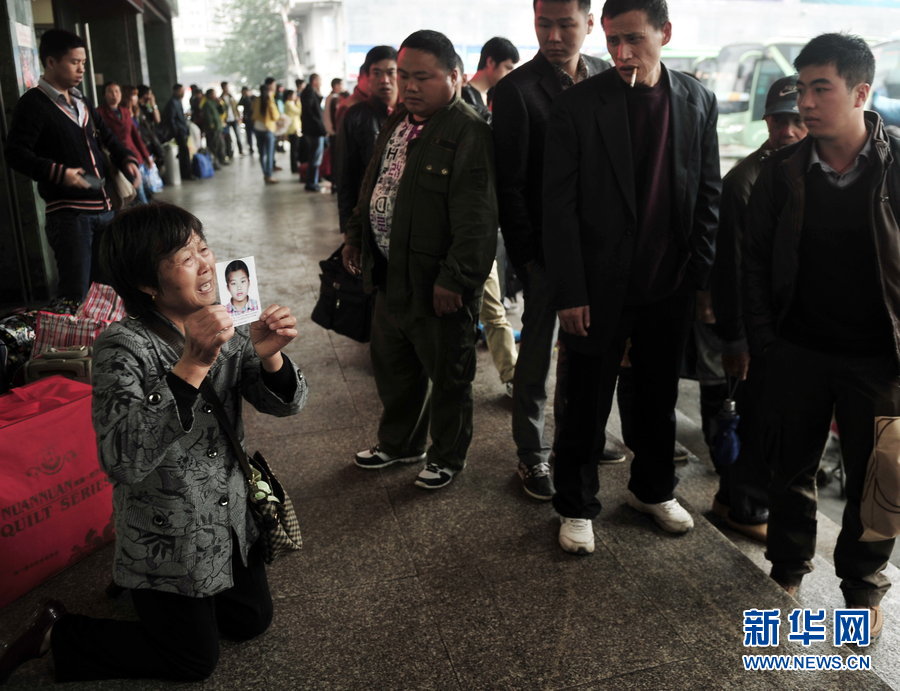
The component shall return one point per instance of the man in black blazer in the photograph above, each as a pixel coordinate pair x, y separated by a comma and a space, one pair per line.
631, 194
521, 108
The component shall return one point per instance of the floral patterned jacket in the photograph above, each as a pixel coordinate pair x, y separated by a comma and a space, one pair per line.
179, 496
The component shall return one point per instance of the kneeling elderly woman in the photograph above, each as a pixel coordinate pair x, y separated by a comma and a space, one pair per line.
185, 542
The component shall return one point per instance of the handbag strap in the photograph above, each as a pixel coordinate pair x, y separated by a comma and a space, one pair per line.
175, 340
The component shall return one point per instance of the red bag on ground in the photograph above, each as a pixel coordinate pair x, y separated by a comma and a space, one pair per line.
55, 500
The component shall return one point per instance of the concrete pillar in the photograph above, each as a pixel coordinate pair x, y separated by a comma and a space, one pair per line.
161, 66
117, 48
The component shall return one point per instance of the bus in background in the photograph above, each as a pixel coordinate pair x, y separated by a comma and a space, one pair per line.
687, 60
886, 89
740, 78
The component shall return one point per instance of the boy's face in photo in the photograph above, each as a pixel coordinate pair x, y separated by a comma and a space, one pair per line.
238, 285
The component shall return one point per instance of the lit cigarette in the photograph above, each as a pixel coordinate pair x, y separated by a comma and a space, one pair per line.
633, 77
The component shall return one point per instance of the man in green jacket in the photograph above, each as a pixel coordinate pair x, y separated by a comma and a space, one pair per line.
213, 128
424, 235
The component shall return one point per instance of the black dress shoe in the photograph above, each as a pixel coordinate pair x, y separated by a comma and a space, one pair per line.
28, 646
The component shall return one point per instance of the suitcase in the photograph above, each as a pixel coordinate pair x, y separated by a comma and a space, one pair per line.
72, 362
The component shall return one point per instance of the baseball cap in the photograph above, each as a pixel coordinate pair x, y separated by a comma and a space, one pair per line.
782, 96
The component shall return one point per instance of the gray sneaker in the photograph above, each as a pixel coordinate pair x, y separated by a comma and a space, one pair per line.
433, 476
536, 480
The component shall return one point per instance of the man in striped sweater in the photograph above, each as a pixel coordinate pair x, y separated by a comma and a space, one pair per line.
55, 139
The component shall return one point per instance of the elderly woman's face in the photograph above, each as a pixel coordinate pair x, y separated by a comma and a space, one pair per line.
187, 279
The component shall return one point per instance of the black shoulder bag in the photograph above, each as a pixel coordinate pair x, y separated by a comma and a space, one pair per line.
343, 305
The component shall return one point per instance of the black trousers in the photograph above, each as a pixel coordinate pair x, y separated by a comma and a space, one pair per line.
657, 333
176, 637
803, 388
233, 125
248, 132
184, 157
294, 140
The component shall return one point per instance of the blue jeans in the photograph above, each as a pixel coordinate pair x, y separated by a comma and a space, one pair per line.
74, 237
141, 193
316, 149
265, 142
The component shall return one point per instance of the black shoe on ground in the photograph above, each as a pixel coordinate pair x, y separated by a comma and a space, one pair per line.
30, 644
375, 458
611, 456
536, 481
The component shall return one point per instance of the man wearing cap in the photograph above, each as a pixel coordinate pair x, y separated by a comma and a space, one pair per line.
742, 496
821, 269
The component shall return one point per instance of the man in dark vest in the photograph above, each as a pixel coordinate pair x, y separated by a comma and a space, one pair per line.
822, 308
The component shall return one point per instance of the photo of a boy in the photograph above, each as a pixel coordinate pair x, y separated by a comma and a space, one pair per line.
237, 280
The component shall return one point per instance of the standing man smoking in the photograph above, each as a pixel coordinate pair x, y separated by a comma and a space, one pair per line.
631, 193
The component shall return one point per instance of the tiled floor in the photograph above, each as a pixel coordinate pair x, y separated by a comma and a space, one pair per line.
464, 588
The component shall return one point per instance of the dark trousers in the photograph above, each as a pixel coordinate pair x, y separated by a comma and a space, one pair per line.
248, 132
176, 637
539, 331
215, 143
424, 367
803, 389
234, 126
295, 142
184, 157
75, 237
559, 400
657, 333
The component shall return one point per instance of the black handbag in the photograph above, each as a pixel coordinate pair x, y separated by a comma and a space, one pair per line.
343, 306
268, 503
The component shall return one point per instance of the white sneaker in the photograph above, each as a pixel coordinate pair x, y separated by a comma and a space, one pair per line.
669, 515
576, 535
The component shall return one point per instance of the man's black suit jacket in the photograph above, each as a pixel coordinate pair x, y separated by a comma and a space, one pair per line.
521, 108
590, 212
